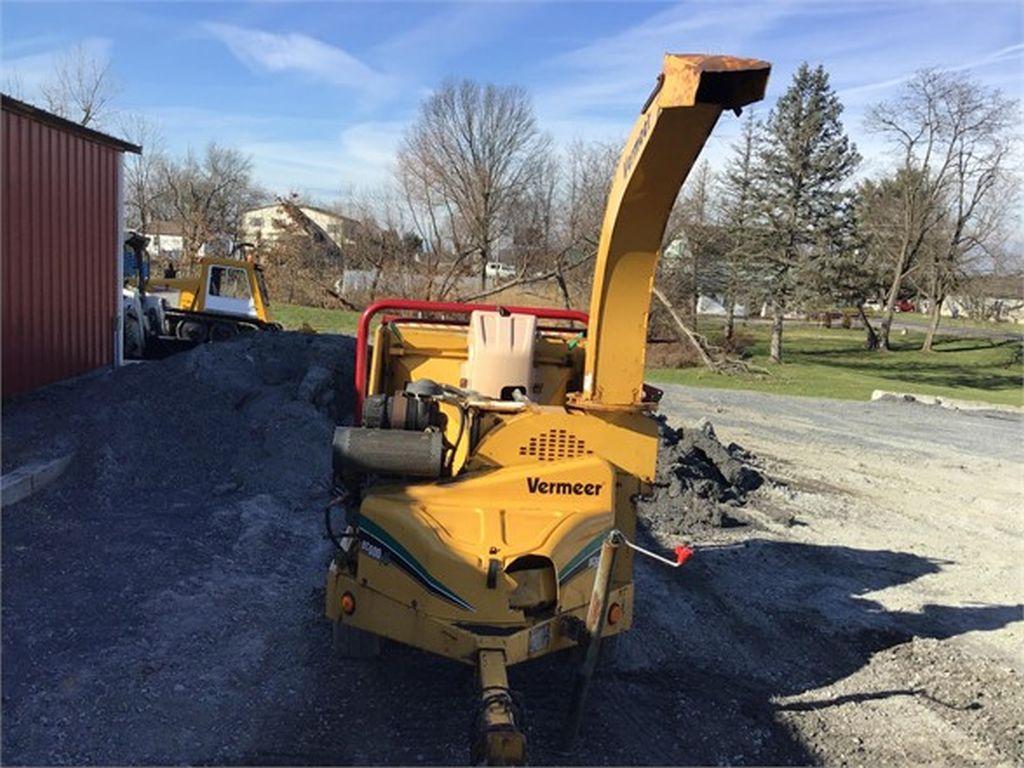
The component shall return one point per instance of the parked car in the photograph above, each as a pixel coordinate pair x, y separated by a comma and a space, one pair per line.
905, 305
498, 271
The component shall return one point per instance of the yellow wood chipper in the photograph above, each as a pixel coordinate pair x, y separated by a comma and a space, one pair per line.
486, 493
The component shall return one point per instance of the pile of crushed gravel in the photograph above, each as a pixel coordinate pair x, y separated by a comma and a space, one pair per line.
161, 599
257, 411
700, 482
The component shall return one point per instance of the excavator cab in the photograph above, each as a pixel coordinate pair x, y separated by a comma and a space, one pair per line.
489, 484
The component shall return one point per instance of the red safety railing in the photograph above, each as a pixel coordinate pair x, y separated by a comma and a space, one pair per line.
442, 307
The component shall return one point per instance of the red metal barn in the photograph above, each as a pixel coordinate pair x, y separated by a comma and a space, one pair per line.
61, 247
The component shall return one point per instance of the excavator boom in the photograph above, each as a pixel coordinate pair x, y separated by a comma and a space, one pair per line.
663, 146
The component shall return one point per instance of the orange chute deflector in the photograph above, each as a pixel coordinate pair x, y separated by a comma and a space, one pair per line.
692, 91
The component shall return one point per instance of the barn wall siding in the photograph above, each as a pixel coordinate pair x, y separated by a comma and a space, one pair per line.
59, 253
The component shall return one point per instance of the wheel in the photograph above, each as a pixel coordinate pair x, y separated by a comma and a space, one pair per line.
134, 339
353, 643
223, 332
192, 330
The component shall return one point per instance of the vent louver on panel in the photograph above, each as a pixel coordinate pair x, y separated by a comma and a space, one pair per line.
554, 445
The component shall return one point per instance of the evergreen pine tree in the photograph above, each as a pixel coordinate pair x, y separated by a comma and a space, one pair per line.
804, 204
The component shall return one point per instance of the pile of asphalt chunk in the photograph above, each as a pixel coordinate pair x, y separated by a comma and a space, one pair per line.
700, 483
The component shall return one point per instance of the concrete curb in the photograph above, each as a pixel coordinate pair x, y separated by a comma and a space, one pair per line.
944, 402
24, 481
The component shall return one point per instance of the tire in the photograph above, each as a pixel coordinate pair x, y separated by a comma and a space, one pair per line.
223, 332
192, 330
134, 340
153, 319
353, 643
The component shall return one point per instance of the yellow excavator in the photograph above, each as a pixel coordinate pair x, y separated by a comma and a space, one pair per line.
223, 297
486, 497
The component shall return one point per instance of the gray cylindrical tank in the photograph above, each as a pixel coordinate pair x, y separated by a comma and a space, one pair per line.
361, 450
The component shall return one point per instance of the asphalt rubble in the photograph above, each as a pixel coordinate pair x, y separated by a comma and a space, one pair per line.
700, 483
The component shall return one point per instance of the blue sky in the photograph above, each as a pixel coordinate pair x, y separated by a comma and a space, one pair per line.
319, 93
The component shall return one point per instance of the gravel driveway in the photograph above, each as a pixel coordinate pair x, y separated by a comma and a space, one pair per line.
162, 601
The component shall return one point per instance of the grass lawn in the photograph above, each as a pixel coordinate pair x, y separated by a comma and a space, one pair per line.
292, 316
916, 318
823, 362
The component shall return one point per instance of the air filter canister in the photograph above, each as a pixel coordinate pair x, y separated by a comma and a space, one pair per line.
361, 450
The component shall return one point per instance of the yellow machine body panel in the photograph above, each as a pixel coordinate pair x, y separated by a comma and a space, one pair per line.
198, 293
404, 352
447, 536
546, 434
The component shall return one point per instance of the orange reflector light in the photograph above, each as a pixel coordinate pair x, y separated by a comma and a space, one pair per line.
348, 604
614, 613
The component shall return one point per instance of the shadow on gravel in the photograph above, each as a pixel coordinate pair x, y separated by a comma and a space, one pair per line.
696, 682
715, 645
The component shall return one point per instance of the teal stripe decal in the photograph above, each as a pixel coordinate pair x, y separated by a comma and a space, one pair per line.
576, 564
410, 563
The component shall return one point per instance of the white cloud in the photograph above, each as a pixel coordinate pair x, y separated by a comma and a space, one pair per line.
296, 52
424, 47
595, 90
311, 155
361, 157
1008, 53
616, 72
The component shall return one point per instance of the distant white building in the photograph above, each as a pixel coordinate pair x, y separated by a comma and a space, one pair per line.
989, 297
715, 306
270, 222
166, 240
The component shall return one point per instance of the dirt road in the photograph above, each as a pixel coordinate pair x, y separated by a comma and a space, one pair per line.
163, 606
885, 625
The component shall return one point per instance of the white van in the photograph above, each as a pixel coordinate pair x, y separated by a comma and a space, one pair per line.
498, 271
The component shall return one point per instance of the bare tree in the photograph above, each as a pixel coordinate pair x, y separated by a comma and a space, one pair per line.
738, 220
209, 195
565, 204
385, 245
471, 153
953, 138
12, 84
81, 87
690, 264
144, 196
588, 169
588, 177
433, 219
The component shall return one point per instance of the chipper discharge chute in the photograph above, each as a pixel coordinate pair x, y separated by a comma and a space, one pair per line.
500, 451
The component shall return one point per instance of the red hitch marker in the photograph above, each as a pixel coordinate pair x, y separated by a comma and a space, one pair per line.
683, 554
